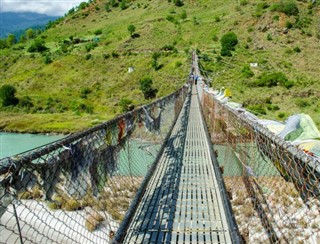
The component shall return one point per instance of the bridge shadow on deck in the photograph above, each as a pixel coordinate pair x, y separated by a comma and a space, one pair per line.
153, 222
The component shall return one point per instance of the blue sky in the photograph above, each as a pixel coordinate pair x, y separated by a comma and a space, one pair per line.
53, 7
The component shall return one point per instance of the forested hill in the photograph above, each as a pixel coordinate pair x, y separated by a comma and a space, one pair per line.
76, 73
12, 22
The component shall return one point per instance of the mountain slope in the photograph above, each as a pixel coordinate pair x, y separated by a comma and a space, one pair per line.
82, 78
12, 22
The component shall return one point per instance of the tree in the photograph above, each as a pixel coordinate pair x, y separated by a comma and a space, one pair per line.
131, 29
37, 46
11, 40
22, 39
228, 42
3, 43
30, 34
7, 95
154, 62
147, 89
82, 5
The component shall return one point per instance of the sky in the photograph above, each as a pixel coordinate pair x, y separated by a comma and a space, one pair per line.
53, 7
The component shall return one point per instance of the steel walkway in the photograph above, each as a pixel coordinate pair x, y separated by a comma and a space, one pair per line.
182, 202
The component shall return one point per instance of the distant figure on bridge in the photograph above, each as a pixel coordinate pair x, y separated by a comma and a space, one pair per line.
195, 80
191, 78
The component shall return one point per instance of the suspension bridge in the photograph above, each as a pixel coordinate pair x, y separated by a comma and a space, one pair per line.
183, 169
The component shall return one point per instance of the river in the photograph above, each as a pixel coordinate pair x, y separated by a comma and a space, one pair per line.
15, 143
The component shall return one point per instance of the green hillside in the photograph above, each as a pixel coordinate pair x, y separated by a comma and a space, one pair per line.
83, 79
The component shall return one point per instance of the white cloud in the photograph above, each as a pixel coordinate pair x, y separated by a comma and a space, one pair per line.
54, 7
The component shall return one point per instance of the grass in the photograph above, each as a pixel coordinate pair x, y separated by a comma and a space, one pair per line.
55, 88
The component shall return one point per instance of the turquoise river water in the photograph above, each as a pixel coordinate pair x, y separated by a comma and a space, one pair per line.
15, 143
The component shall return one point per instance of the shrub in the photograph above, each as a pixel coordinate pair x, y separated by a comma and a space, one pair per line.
288, 51
97, 32
183, 14
288, 84
276, 17
26, 102
247, 72
243, 2
257, 109
147, 89
287, 7
131, 30
123, 5
263, 5
273, 79
269, 37
281, 115
205, 57
107, 7
289, 25
114, 54
218, 58
178, 64
7, 95
37, 46
272, 107
178, 3
155, 65
168, 47
91, 46
170, 18
225, 52
302, 103
47, 59
125, 104
156, 55
195, 21
297, 49
114, 3
303, 22
215, 38
106, 55
81, 108
84, 92
228, 42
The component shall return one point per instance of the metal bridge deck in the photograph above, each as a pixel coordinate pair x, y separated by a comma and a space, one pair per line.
182, 203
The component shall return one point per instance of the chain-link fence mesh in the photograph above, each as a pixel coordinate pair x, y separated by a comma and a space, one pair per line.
78, 189
274, 187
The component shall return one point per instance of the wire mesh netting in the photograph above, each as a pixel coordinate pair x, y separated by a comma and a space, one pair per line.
274, 187
78, 189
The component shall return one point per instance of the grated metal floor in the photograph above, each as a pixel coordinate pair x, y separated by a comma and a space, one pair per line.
182, 203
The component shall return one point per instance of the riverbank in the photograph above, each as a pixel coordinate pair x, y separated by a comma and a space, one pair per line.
63, 123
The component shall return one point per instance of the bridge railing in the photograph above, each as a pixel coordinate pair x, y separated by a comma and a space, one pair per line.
274, 187
78, 189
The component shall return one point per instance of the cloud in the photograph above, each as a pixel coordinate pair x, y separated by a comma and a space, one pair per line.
54, 7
